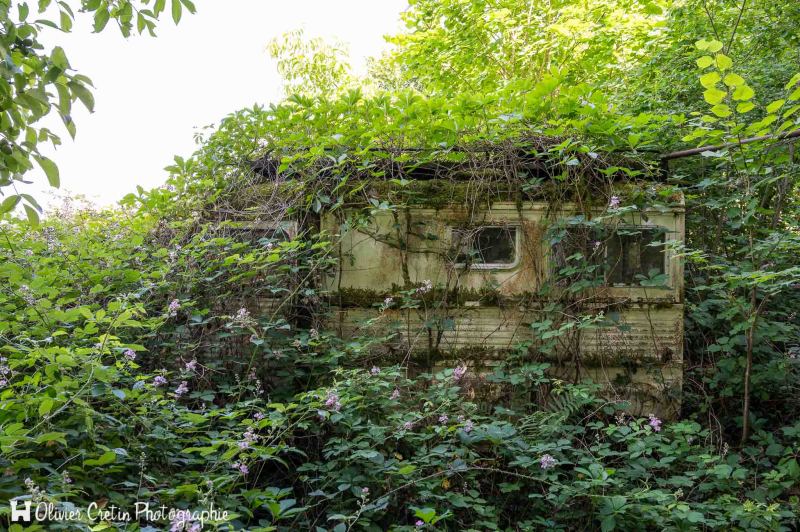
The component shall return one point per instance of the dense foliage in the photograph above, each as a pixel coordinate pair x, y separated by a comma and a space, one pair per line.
35, 82
159, 352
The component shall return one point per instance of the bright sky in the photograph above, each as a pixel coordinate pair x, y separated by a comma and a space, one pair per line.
151, 94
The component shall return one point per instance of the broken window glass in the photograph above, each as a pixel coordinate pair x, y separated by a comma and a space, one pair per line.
617, 257
486, 247
633, 253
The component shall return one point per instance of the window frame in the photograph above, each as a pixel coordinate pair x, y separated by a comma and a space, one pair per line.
634, 283
492, 265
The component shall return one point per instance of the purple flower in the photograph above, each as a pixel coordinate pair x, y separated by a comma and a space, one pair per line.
159, 381
419, 523
332, 402
195, 527
182, 389
181, 521
365, 491
375, 370
547, 462
459, 372
241, 467
174, 305
395, 395
191, 365
468, 426
250, 437
258, 416
655, 423
408, 425
242, 315
426, 287
443, 419
27, 294
130, 354
5, 371
614, 202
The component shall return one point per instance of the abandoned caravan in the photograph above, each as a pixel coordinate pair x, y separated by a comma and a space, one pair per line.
525, 253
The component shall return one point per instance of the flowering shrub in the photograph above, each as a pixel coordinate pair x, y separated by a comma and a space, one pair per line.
107, 395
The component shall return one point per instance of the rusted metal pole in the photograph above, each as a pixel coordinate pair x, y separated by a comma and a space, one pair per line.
695, 151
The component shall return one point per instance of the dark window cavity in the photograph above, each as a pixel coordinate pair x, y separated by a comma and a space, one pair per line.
622, 256
486, 247
633, 253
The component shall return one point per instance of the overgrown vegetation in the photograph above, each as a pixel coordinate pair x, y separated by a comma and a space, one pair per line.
179, 350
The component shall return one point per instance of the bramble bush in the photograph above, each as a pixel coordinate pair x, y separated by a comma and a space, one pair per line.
134, 370
156, 352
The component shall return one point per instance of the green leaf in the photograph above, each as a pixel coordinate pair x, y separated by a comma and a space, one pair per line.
790, 111
710, 79
744, 107
774, 106
64, 99
713, 95
158, 7
66, 360
101, 17
721, 110
743, 92
9, 204
50, 170
426, 514
83, 94
705, 61
66, 21
69, 124
608, 523
190, 6
711, 46
723, 61
45, 406
651, 8
51, 436
176, 10
33, 216
59, 58
792, 82
733, 80
105, 458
